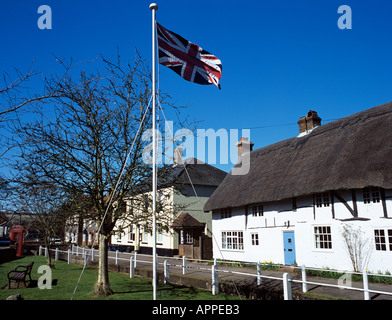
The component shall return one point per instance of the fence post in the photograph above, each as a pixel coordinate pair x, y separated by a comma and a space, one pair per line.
184, 265
131, 268
40, 251
69, 256
135, 259
287, 287
258, 273
85, 257
215, 280
77, 250
116, 257
46, 251
304, 284
92, 253
366, 294
57, 254
166, 272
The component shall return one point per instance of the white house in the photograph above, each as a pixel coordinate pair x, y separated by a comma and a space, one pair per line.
182, 188
322, 199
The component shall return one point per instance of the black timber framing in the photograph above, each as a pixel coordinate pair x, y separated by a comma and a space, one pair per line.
353, 211
384, 204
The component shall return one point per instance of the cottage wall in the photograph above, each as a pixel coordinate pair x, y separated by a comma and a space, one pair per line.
302, 216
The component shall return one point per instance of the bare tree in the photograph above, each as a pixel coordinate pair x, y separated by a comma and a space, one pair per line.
86, 139
45, 205
358, 247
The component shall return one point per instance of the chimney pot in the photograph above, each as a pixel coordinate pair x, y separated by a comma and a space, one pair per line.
244, 145
178, 155
310, 121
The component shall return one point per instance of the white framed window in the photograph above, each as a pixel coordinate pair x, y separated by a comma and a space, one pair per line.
322, 237
383, 239
322, 200
186, 236
225, 213
159, 236
145, 235
131, 234
258, 211
255, 238
233, 240
371, 194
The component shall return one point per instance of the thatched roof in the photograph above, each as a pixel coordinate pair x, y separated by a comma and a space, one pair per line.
352, 152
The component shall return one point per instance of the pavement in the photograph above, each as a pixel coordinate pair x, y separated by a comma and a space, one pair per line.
234, 280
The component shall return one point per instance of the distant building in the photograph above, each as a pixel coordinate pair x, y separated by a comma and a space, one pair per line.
305, 198
182, 191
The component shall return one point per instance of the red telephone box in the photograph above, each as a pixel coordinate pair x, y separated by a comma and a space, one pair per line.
17, 237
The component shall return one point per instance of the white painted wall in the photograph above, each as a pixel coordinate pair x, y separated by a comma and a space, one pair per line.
302, 221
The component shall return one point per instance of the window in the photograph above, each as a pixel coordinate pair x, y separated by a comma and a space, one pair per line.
379, 239
159, 233
225, 213
376, 194
186, 236
255, 239
145, 235
322, 199
390, 239
258, 210
323, 237
233, 240
159, 236
132, 235
371, 194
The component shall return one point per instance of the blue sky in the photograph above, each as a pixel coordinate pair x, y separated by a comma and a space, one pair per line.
280, 58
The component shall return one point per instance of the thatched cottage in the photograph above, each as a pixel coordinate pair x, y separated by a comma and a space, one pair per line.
322, 198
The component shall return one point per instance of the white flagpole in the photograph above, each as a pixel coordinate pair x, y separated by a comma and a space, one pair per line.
154, 7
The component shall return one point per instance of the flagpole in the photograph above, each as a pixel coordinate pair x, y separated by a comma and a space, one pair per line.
153, 8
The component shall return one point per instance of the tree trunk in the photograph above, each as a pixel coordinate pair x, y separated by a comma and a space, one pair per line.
102, 287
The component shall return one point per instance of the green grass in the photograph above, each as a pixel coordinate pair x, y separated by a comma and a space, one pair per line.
65, 277
326, 273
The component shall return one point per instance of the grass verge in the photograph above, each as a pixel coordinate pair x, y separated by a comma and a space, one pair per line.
65, 277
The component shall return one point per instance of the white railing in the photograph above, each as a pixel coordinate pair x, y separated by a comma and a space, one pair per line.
135, 258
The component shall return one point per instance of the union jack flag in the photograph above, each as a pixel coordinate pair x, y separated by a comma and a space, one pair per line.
187, 59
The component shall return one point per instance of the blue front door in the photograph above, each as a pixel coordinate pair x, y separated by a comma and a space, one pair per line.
289, 248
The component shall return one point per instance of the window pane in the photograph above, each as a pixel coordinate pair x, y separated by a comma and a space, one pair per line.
379, 239
224, 240
323, 237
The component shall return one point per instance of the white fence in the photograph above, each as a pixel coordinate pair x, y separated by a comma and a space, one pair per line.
214, 269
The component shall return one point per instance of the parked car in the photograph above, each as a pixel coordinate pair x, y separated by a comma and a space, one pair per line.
4, 241
56, 241
33, 237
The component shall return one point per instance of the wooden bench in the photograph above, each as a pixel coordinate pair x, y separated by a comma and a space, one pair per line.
19, 274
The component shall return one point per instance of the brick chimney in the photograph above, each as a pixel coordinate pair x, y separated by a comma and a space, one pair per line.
244, 146
310, 121
178, 155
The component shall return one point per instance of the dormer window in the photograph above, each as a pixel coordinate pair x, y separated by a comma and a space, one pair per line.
322, 200
371, 194
225, 213
258, 211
